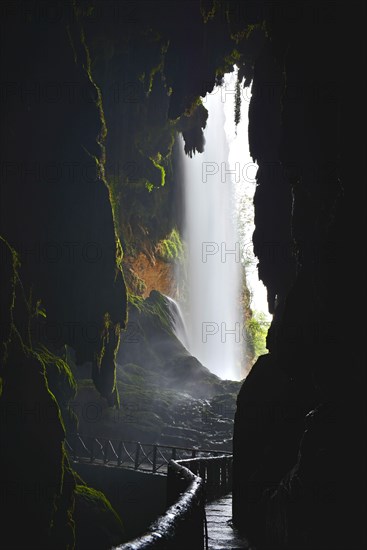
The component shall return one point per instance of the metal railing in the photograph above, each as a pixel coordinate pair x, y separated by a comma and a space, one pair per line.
184, 524
184, 519
131, 454
215, 471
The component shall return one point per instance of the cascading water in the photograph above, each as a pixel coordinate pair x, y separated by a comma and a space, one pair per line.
212, 308
178, 321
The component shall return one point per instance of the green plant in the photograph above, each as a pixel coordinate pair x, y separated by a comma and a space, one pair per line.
156, 162
257, 329
171, 248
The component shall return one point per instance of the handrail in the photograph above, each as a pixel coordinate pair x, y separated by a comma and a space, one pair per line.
162, 534
133, 441
183, 526
143, 456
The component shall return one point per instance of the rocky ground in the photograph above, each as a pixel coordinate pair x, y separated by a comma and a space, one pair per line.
166, 395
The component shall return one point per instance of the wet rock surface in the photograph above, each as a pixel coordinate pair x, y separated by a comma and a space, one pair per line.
167, 396
221, 533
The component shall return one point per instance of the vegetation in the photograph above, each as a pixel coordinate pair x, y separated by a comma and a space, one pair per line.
61, 383
156, 162
154, 308
25, 382
97, 524
209, 13
171, 248
233, 58
257, 329
115, 199
237, 104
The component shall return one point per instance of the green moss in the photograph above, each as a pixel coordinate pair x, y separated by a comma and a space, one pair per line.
197, 102
171, 248
101, 139
104, 371
24, 370
62, 524
62, 369
156, 162
97, 523
115, 198
136, 301
154, 308
246, 33
61, 383
233, 58
96, 498
209, 13
104, 376
155, 70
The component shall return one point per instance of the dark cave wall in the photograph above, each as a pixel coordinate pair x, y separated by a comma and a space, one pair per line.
53, 152
297, 479
138, 497
66, 284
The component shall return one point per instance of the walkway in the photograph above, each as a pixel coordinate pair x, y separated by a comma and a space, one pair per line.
221, 535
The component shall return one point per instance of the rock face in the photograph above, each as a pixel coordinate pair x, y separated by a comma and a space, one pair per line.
36, 480
105, 529
58, 249
298, 482
156, 274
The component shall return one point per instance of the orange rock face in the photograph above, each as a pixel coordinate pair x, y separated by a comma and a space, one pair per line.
145, 274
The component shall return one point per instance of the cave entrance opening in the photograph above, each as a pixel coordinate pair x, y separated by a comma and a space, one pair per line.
222, 300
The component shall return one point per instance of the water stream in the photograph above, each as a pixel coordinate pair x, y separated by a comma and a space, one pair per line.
212, 310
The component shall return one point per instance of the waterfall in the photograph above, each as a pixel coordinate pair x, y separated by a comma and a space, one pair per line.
178, 321
211, 306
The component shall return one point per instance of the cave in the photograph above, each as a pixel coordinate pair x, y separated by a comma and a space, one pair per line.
101, 100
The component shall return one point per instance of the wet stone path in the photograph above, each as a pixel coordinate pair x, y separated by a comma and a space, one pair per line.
221, 534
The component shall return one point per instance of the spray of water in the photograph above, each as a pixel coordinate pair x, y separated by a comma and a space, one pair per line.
178, 321
212, 309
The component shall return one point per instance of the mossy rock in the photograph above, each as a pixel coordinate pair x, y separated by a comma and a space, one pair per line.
171, 248
97, 524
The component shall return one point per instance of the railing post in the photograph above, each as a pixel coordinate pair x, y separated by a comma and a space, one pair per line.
209, 479
172, 490
75, 439
154, 459
92, 450
223, 476
202, 470
105, 451
137, 453
119, 454
193, 466
173, 453
193, 453
230, 464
